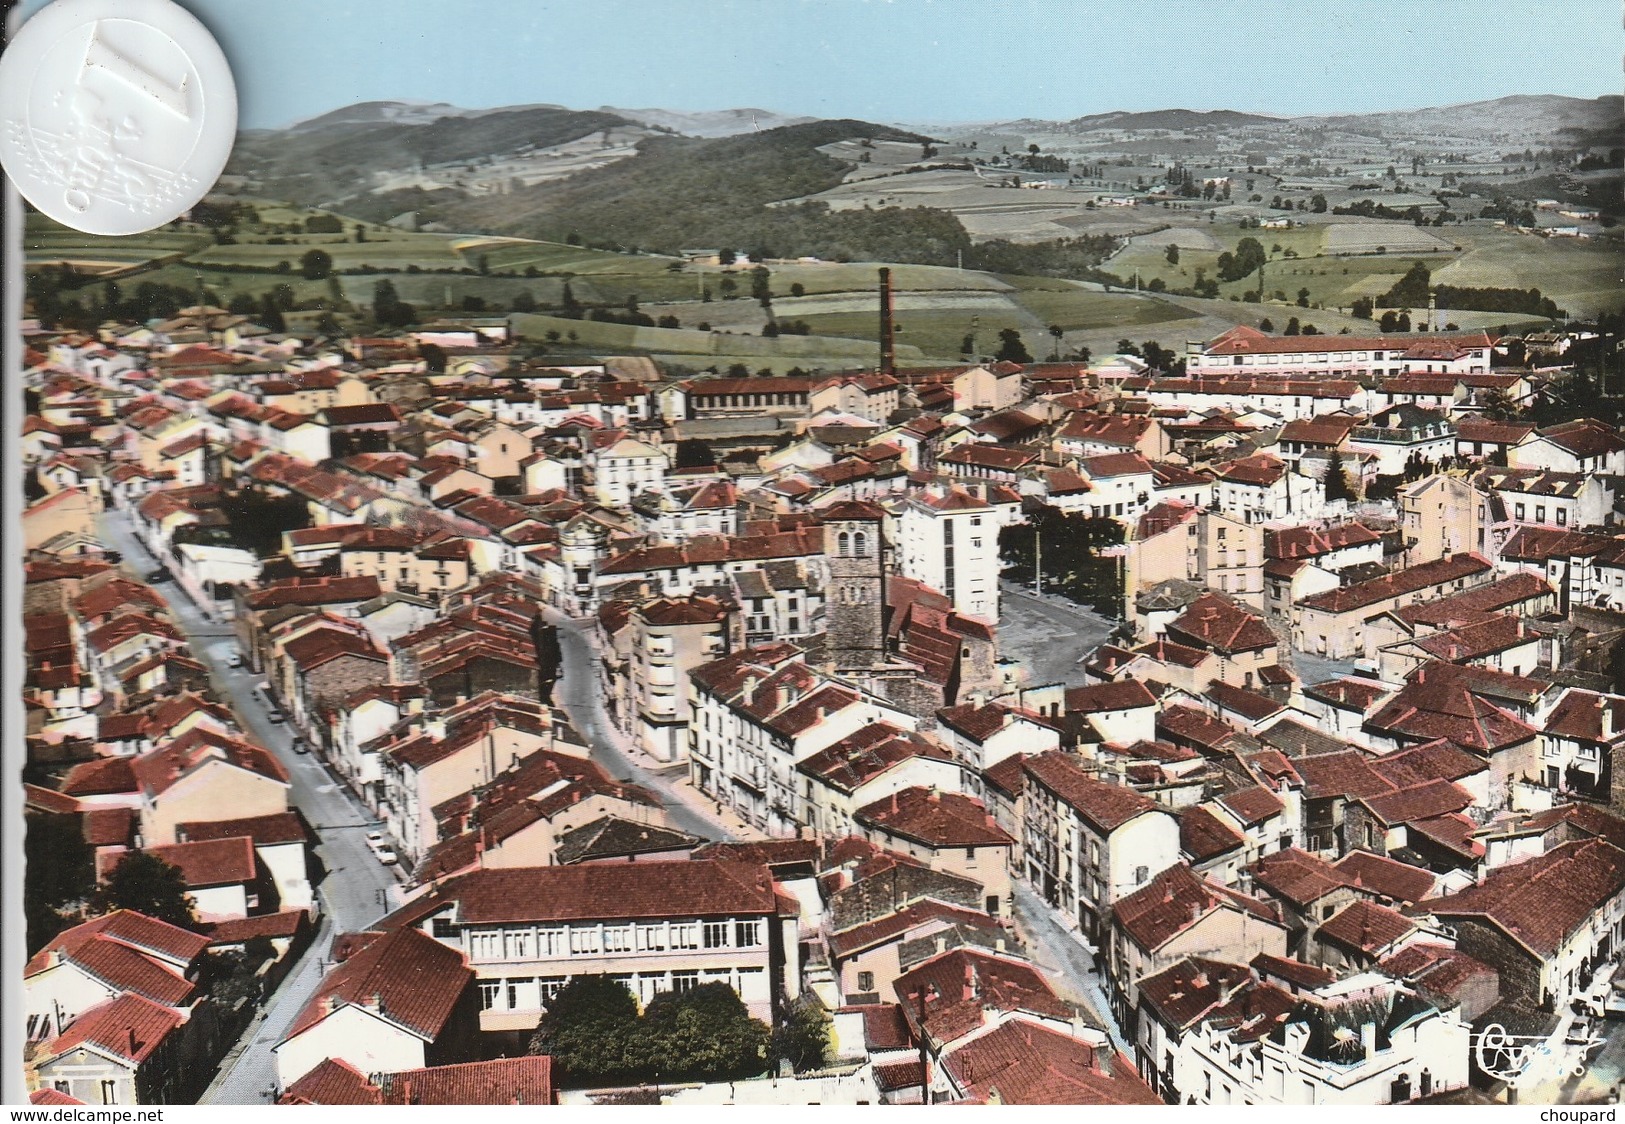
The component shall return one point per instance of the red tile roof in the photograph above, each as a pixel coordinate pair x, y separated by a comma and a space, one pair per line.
679, 888
1203, 836
1214, 621
1175, 900
129, 1028
936, 819
1105, 807
213, 862
1366, 927
332, 1082
505, 1081
1426, 575
1297, 876
1542, 901
1379, 874
1024, 1063
957, 988
409, 979
1099, 698
897, 925
280, 827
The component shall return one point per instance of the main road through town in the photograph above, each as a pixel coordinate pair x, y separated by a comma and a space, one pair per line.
355, 888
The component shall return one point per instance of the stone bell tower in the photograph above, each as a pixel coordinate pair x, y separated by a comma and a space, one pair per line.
855, 599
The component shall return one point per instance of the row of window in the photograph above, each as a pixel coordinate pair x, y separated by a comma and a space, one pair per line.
600, 940
533, 993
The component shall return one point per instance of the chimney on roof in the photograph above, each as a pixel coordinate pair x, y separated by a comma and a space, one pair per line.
1607, 719
1368, 1039
942, 944
970, 982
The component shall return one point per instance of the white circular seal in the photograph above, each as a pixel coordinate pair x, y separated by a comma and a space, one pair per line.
118, 114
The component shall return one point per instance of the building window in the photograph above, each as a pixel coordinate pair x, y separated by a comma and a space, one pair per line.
584, 941
651, 938
747, 934
716, 934
685, 981
549, 986
618, 938
1141, 873
685, 936
485, 944
866, 981
490, 992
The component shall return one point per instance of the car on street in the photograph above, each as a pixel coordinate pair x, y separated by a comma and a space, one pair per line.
301, 746
1582, 1032
375, 838
274, 713
112, 556
234, 660
161, 574
387, 856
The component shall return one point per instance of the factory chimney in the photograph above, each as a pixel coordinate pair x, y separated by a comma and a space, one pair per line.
888, 345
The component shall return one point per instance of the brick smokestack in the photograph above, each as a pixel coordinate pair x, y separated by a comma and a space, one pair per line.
888, 337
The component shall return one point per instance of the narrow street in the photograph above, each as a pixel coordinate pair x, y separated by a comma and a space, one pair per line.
1062, 956
579, 692
356, 889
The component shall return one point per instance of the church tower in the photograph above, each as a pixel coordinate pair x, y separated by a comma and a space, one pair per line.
855, 599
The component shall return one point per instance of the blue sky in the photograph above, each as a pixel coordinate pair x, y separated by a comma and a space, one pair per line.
909, 60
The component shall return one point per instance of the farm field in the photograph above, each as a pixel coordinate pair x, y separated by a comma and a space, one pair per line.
806, 349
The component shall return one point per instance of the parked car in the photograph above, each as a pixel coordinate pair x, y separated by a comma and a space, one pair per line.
275, 714
387, 856
375, 839
234, 660
161, 574
113, 556
1614, 1006
1581, 1032
301, 746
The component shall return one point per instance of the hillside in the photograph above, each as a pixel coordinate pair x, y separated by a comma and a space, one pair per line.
328, 160
1168, 119
1523, 118
680, 193
710, 124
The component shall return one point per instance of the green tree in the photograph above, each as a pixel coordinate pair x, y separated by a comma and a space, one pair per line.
1337, 479
1317, 203
1011, 348
60, 872
1173, 254
1303, 298
729, 288
1292, 327
592, 1032
761, 284
726, 257
145, 883
802, 1034
1266, 325
315, 265
703, 1034
797, 289
569, 307
524, 302
1057, 333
